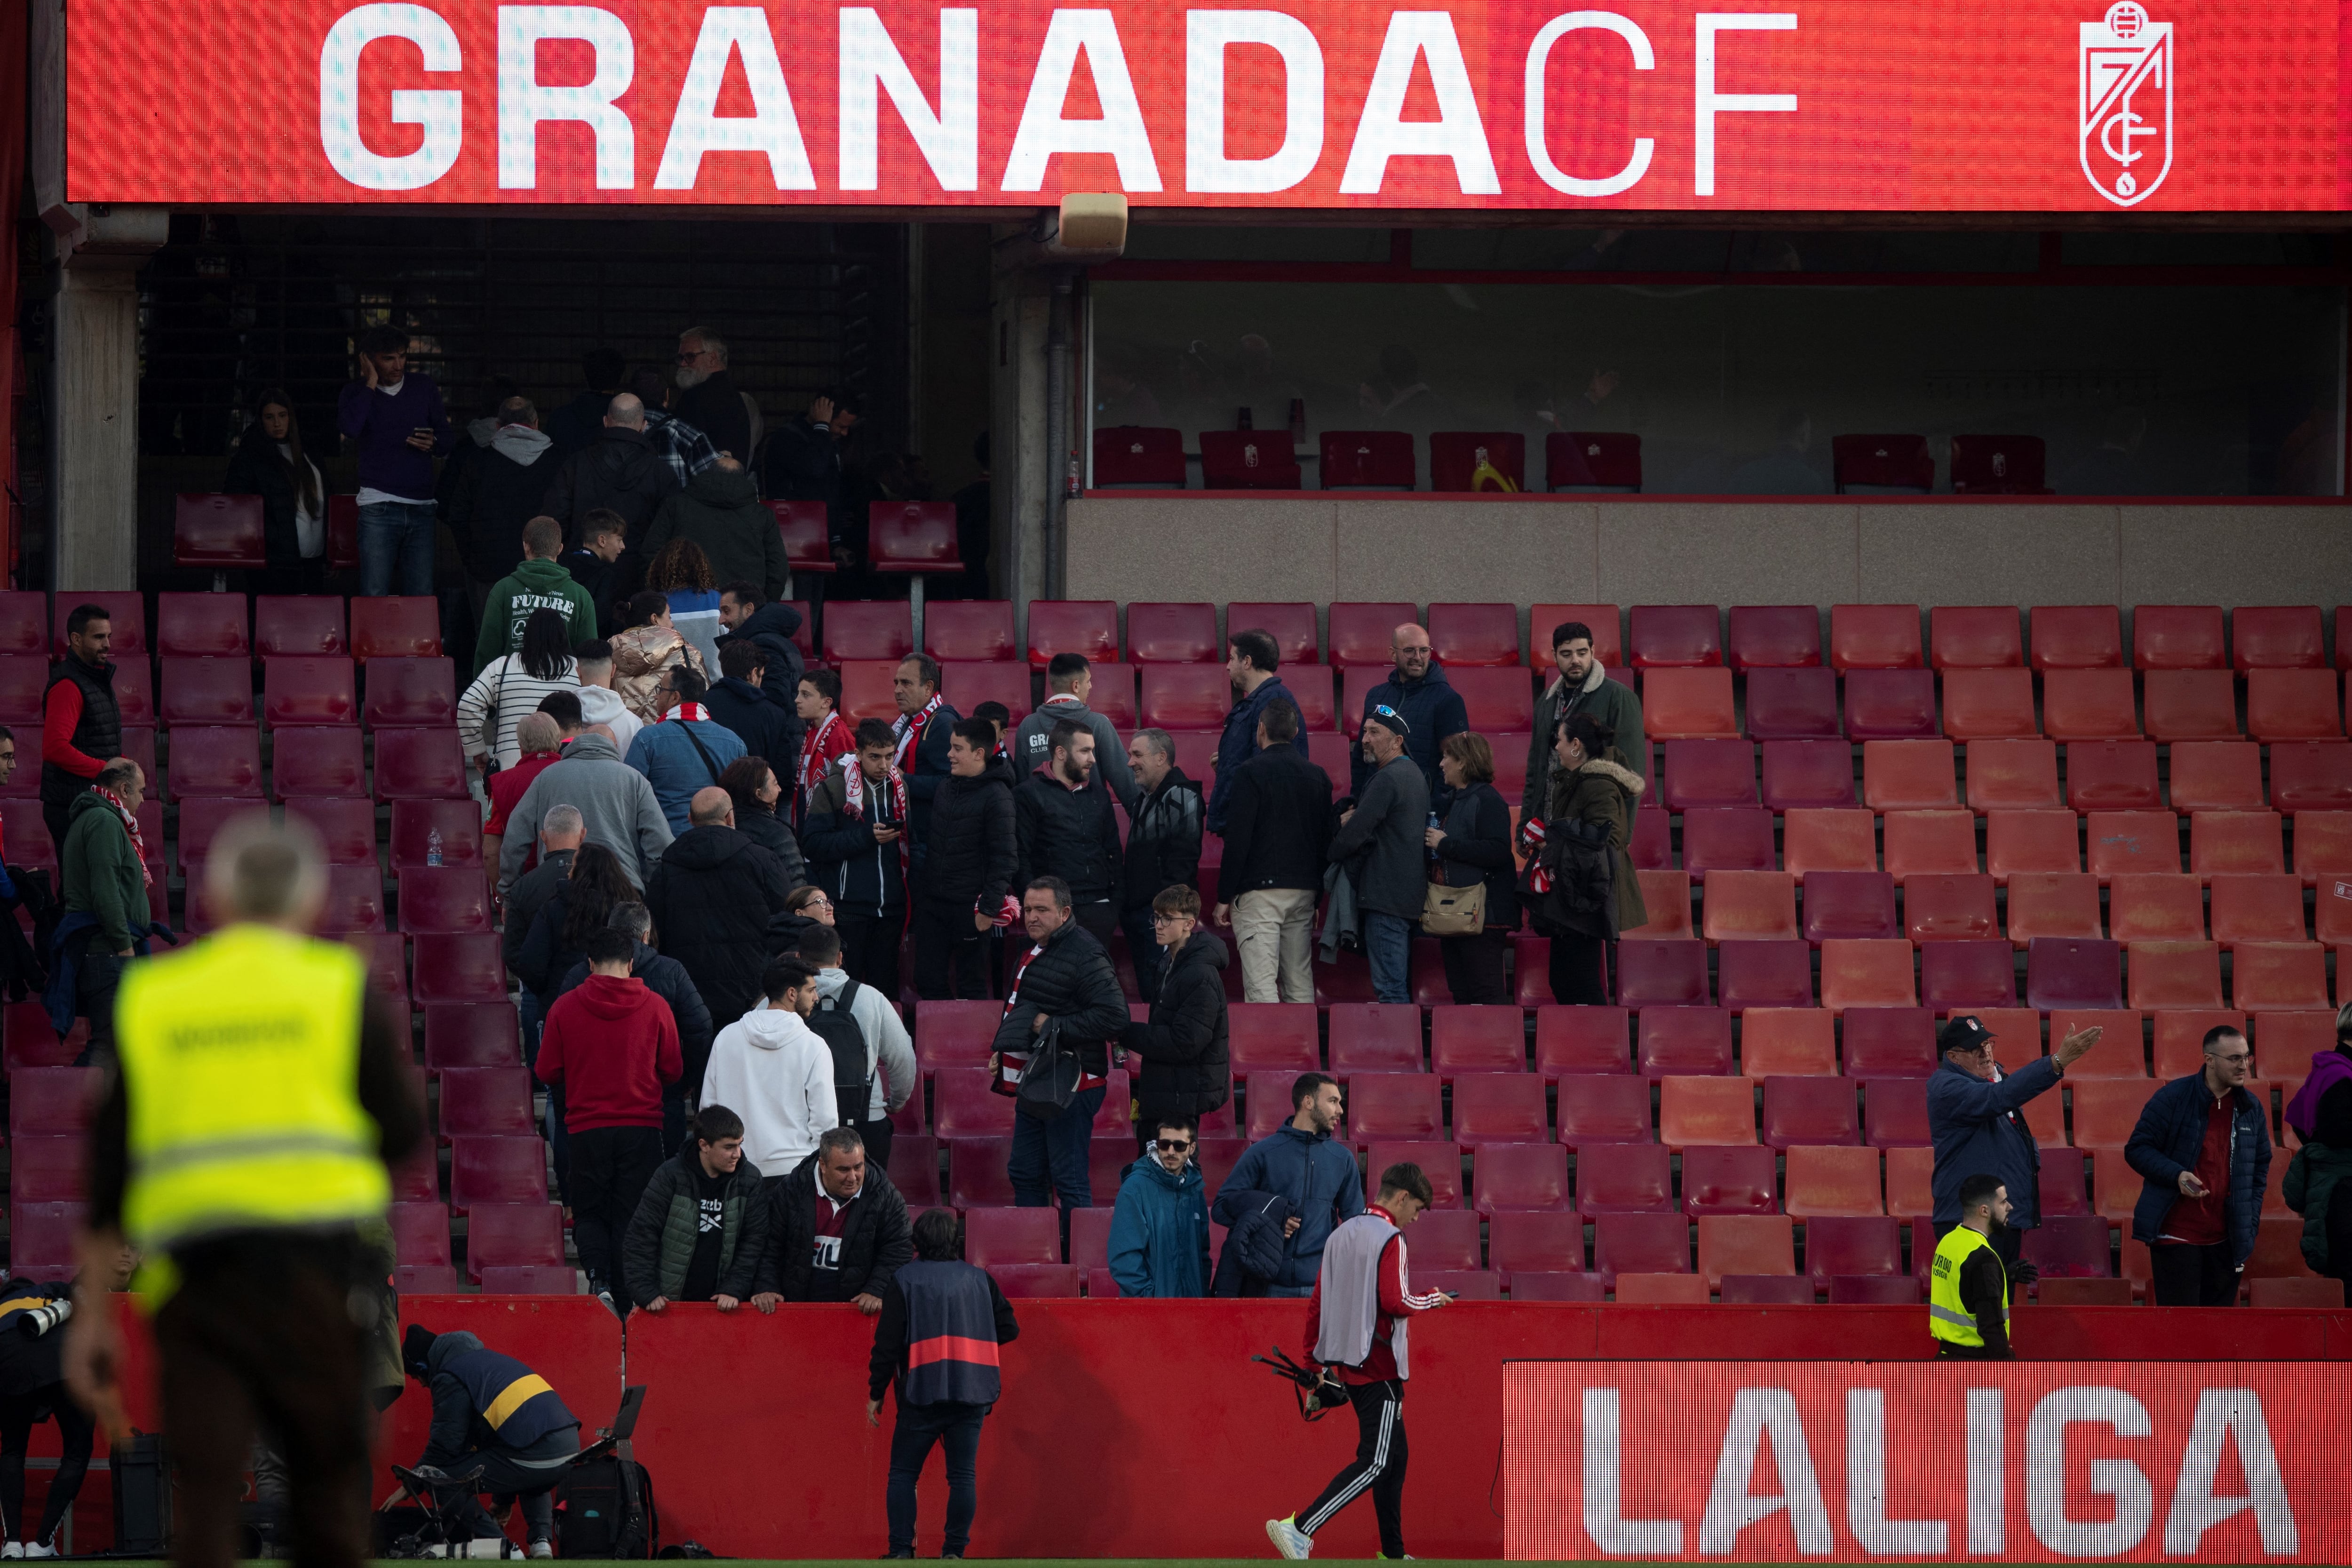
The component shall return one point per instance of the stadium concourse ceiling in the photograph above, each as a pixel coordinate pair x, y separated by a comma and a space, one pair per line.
1506, 109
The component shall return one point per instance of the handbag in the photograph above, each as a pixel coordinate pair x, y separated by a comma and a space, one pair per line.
1050, 1080
1453, 911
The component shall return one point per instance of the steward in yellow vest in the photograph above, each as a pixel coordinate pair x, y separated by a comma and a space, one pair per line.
242, 1147
1967, 1286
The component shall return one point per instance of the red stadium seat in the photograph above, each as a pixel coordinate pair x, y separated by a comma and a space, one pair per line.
522, 1243
444, 899
2218, 776
1750, 906
459, 968
24, 621
2311, 1294
1889, 1042
416, 824
2191, 705
968, 683
297, 625
2168, 974
1393, 1105
1727, 840
1766, 1290
964, 1106
2119, 1052
2068, 1248
1705, 1111
1765, 975
1184, 696
134, 693
23, 685
915, 1170
1682, 1041
1084, 626
1038, 1281
41, 1237
220, 761
1773, 637
51, 1101
912, 537
2305, 776
1894, 1113
307, 691
1701, 774
1249, 460
1653, 845
1363, 636
1592, 460
1845, 1245
126, 613
27, 837
1499, 701
1465, 636
207, 692
2252, 908
2278, 636
1373, 1037
345, 824
2222, 843
1605, 1110
1725, 1179
2292, 705
486, 1102
1292, 626
463, 1034
1172, 633
2179, 637
2089, 705
807, 534
1688, 704
1474, 1040
1449, 1241
1810, 1110
1965, 975
963, 1034
1975, 637
1144, 457
1575, 1041
420, 1233
1367, 460
976, 1173
217, 534
2279, 977
1265, 1037
970, 629
866, 690
1535, 1176
492, 1171
1829, 840
1867, 974
1950, 908
1633, 1179
1622, 1244
200, 625
1745, 1244
1890, 704
416, 764
1660, 975
1461, 460
2124, 842
1667, 636
2012, 775
1884, 462
867, 628
1989, 705
2025, 843
1910, 1171
1666, 895
1875, 636
1849, 905
2323, 842
1601, 620
996, 1236
411, 694
2075, 637
1805, 775
1496, 1108
1908, 775
1440, 1162
395, 628
1789, 705
1537, 1241
1930, 843
2180, 1043
1834, 1180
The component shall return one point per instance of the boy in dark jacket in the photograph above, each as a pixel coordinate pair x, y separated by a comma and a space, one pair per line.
740, 703
970, 852
700, 1233
748, 615
1186, 1066
2203, 1146
1163, 848
1068, 829
837, 1228
1278, 841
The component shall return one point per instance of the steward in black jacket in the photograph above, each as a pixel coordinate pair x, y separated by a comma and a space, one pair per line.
1071, 834
971, 852
1070, 980
715, 898
876, 1239
1186, 1069
1278, 825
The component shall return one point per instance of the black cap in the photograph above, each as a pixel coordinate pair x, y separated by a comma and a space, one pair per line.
1389, 719
417, 1349
1965, 1033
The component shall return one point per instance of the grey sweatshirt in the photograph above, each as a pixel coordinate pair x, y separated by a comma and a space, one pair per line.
1026, 745
616, 804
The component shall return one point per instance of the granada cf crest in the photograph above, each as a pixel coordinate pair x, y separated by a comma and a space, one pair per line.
2123, 98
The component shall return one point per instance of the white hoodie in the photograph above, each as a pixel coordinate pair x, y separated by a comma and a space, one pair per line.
889, 1053
603, 705
771, 1069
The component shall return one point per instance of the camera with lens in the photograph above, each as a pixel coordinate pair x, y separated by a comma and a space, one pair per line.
35, 1321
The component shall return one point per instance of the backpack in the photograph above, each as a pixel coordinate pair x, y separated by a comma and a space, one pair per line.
852, 1082
605, 1507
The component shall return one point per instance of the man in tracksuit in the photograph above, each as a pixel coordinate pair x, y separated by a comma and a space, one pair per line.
942, 1322
490, 1409
1356, 1326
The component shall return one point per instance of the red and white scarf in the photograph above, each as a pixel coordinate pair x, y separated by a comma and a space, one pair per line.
130, 820
910, 727
1538, 875
691, 712
854, 785
826, 742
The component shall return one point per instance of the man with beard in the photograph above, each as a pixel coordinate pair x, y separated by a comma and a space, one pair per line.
1067, 830
710, 400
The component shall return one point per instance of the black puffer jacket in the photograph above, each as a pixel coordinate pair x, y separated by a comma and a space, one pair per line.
1186, 1067
768, 732
1163, 843
970, 852
1072, 982
875, 1240
716, 899
621, 471
772, 833
769, 629
257, 469
657, 1249
1068, 833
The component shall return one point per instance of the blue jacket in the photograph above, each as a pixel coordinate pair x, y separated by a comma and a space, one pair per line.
2169, 1137
1238, 744
483, 1400
1160, 1232
1435, 710
1980, 1126
1319, 1178
665, 755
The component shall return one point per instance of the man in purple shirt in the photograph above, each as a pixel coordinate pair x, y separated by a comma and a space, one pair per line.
397, 423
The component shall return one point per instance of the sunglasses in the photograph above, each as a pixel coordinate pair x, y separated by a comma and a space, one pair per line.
1174, 1145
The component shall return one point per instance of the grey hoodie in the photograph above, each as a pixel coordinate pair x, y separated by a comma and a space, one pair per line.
887, 1047
1027, 750
617, 809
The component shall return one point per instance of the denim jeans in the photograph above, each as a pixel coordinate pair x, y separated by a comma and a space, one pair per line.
955, 1428
1388, 942
396, 549
1058, 1146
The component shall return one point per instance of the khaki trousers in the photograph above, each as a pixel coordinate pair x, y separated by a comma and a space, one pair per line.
1274, 928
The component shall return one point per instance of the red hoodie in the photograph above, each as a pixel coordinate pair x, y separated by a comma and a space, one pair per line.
610, 1046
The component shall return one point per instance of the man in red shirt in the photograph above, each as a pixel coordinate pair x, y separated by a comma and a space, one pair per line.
1356, 1327
610, 1046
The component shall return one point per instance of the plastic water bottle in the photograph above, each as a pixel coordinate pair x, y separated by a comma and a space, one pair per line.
433, 846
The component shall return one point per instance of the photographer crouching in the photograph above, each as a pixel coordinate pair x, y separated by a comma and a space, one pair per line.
33, 1389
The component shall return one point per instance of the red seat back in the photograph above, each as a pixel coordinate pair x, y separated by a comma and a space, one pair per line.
342, 533
217, 532
1364, 634
867, 628
412, 694
345, 824
1998, 465
24, 621
1889, 462
1674, 636
1248, 460
321, 760
1465, 635
1172, 633
1087, 627
307, 691
806, 531
395, 627
1138, 455
298, 624
968, 683
1774, 636
1592, 460
200, 625
1367, 459
1457, 457
1184, 696
914, 536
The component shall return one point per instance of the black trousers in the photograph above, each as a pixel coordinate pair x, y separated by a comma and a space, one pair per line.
1580, 976
611, 1167
1474, 967
877, 1134
869, 949
76, 1433
528, 1476
950, 955
955, 1428
1378, 1467
2184, 1276
95, 984
57, 819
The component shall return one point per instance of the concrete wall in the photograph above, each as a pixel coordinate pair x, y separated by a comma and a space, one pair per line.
1580, 550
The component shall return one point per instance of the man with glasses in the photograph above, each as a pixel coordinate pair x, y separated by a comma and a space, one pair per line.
1159, 1231
708, 398
2203, 1147
1976, 1115
1417, 689
1379, 845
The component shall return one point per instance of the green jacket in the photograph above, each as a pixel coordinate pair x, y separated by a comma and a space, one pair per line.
1610, 703
533, 586
2311, 1183
721, 512
659, 1243
1603, 791
102, 874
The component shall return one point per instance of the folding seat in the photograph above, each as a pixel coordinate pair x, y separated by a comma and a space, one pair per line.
1363, 634
1500, 701
24, 621
2053, 904
2123, 843
1793, 1041
1366, 460
1745, 1244
1573, 1041
411, 694
487, 1102
2107, 1110
1440, 1162
200, 625
1930, 843
964, 1106
460, 1035
2112, 776
1184, 696
1538, 1241
1660, 975
2305, 776
1631, 1179
2075, 637
866, 689
1490, 1108
2019, 843
2278, 1249
1592, 460
214, 760
1989, 705
2226, 843
2062, 972
1674, 636
1666, 895
395, 628
1604, 1110
2164, 974
2191, 705
1535, 1286
51, 1101
1393, 1105
1705, 1111
1372, 1036
1621, 1243
433, 833
1843, 1245
1774, 636
27, 836
1469, 1041
1450, 1241
1699, 774
2292, 705
915, 1169
1133, 456
976, 1173
1861, 974
980, 630
1832, 1179
2061, 1190
968, 683
416, 764
1653, 845
1463, 635
23, 684
318, 762
442, 899
1681, 1040
2089, 705
420, 1233
1975, 636
2179, 637
1965, 975
1848, 904
1167, 632
2315, 1293
2279, 977
1688, 704
1765, 975
1311, 693
219, 534
1875, 636
207, 692
1810, 1110
1806, 774
868, 629
41, 1237
2258, 908
1829, 840
417, 1178
308, 624
2323, 843
1747, 906
1456, 457
1894, 1113
1733, 839
994, 1236
1794, 705
2217, 776
2332, 918
307, 691
2180, 1042
1601, 620
1910, 1175
1085, 626
1908, 775
1890, 705
1535, 1176
2012, 775
1889, 1042
1641, 1289
488, 1171
2278, 636
2068, 1248
963, 1034
1729, 1179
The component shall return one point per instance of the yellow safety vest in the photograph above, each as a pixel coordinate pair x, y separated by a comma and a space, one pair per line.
240, 1055
1946, 1318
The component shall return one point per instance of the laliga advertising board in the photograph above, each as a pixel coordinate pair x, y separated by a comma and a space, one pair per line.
1507, 105
2021, 1461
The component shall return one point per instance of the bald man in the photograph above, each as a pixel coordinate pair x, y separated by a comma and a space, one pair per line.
1418, 690
718, 903
622, 470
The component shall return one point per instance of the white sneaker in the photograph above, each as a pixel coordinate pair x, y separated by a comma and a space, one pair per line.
1289, 1540
12, 1549
542, 1549
40, 1548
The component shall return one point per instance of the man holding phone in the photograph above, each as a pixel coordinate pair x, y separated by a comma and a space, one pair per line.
1976, 1115
396, 420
